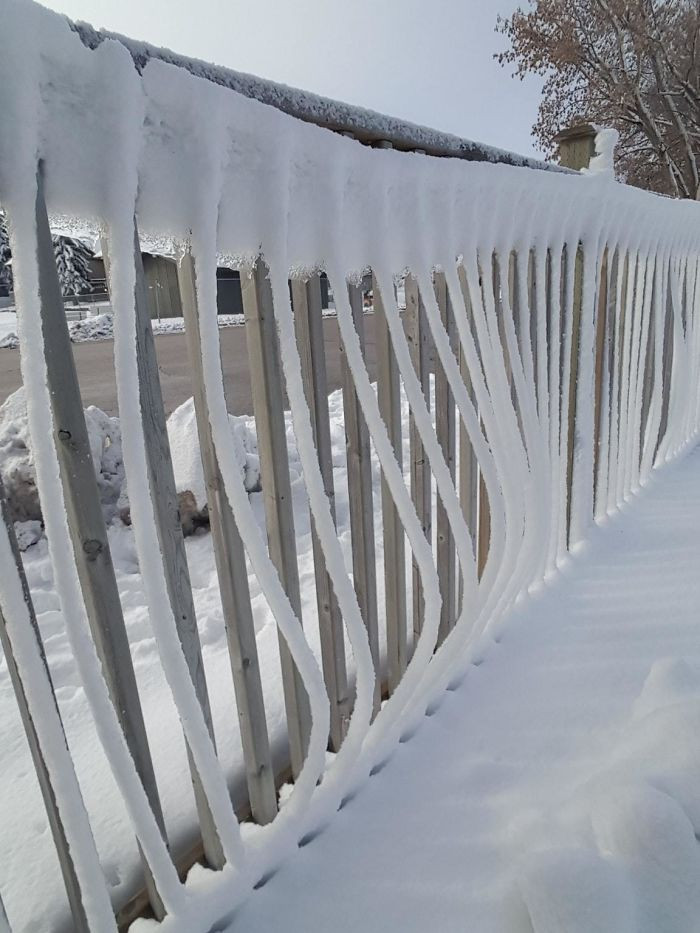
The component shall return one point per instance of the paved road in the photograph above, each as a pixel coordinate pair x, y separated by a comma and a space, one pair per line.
95, 365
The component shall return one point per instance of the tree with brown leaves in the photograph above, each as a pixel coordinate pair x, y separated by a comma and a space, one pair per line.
630, 64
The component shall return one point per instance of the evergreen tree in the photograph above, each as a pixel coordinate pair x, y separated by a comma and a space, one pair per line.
5, 256
73, 265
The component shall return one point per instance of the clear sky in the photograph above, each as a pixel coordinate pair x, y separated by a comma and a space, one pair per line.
429, 61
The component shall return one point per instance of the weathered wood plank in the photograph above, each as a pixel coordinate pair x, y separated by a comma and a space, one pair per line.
417, 335
232, 573
161, 480
268, 405
648, 356
70, 879
576, 309
4, 922
360, 497
602, 374
388, 396
445, 426
86, 523
468, 464
483, 509
308, 319
667, 359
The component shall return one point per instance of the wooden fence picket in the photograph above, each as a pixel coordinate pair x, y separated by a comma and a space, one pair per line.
93, 559
360, 497
232, 574
268, 405
306, 300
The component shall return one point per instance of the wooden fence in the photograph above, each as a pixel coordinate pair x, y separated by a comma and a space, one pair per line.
546, 366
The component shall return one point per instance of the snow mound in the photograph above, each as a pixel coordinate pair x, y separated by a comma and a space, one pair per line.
632, 824
671, 680
653, 837
104, 433
28, 533
17, 461
187, 462
9, 342
99, 327
576, 891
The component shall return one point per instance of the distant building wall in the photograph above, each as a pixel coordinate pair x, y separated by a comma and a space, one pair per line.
161, 284
229, 299
160, 273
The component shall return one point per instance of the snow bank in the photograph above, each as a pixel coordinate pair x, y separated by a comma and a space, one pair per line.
99, 327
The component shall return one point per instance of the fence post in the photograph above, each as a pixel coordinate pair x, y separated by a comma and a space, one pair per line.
446, 435
268, 405
576, 145
70, 879
232, 573
364, 568
87, 526
576, 149
389, 398
308, 319
417, 335
161, 481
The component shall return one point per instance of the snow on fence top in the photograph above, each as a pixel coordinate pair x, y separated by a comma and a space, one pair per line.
514, 268
181, 144
366, 125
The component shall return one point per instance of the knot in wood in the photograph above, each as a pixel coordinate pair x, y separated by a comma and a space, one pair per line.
92, 548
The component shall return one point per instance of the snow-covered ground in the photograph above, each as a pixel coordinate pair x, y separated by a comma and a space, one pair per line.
559, 777
8, 324
551, 776
29, 862
101, 327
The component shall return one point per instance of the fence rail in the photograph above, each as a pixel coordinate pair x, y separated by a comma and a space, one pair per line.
546, 361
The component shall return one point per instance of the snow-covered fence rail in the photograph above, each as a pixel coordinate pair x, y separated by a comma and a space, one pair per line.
547, 357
